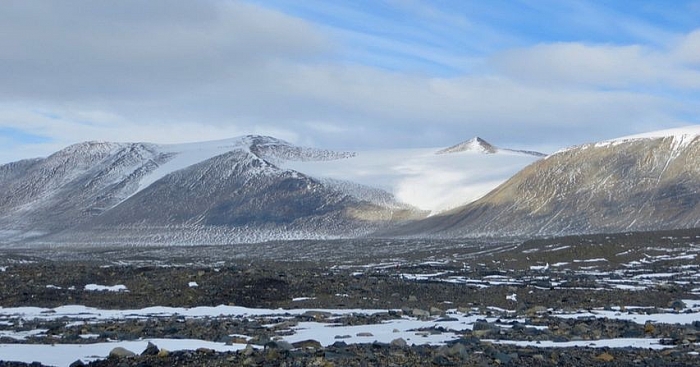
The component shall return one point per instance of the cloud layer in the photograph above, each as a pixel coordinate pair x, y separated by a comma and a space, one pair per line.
331, 76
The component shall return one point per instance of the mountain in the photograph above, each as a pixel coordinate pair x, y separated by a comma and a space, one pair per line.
479, 145
246, 189
636, 183
476, 144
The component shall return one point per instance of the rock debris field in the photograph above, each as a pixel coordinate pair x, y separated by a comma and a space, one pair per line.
604, 300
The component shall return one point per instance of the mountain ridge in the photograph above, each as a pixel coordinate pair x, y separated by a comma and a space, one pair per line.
256, 188
226, 191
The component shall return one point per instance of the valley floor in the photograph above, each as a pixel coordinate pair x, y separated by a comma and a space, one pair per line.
623, 299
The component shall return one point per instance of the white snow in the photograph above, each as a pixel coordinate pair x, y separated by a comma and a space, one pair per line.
192, 284
299, 299
591, 260
107, 288
420, 177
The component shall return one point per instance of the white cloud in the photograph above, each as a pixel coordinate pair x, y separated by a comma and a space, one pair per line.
599, 66
688, 50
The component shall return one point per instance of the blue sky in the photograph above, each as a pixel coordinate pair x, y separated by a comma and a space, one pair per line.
537, 74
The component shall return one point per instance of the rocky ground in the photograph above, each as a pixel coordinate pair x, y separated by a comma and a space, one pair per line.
517, 292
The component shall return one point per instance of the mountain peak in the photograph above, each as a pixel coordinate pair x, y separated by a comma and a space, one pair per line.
475, 144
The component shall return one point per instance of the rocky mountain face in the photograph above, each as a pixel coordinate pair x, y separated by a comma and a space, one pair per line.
218, 192
634, 184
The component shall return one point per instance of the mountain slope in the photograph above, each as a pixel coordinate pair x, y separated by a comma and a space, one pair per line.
645, 182
100, 192
70, 186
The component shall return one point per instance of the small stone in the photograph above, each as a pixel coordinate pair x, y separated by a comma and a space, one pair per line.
605, 357
417, 312
537, 310
365, 334
343, 337
151, 350
649, 328
163, 353
484, 325
399, 342
237, 340
248, 351
412, 298
120, 352
503, 358
279, 345
458, 350
307, 344
434, 311
318, 315
205, 351
677, 305
77, 363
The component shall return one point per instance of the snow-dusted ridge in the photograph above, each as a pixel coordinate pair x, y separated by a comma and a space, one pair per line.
682, 137
691, 131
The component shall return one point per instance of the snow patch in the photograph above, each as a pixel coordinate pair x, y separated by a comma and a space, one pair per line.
106, 288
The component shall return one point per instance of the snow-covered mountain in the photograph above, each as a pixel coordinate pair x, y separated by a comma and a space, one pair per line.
643, 182
246, 189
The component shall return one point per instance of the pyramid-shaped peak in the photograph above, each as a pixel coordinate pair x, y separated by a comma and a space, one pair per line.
475, 144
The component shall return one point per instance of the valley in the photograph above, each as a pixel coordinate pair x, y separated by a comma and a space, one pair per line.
560, 301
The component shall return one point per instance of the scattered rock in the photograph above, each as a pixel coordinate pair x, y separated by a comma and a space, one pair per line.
120, 352
399, 342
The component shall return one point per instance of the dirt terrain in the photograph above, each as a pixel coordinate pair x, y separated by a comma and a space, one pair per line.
498, 302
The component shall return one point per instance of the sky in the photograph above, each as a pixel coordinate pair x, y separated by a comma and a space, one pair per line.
365, 74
